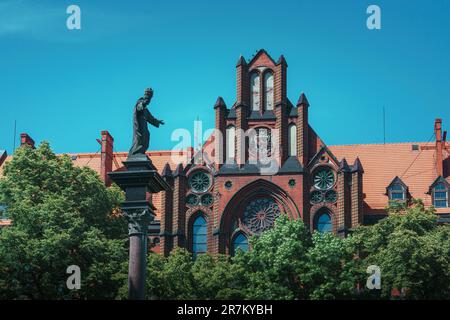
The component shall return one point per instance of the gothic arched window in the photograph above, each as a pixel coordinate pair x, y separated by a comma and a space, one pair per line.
199, 236
292, 140
254, 91
230, 142
260, 144
268, 91
240, 242
323, 222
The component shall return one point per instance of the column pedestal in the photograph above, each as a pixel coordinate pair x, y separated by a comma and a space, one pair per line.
140, 178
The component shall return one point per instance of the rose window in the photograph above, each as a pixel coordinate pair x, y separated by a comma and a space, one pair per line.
200, 181
324, 179
260, 215
331, 196
192, 200
207, 199
316, 197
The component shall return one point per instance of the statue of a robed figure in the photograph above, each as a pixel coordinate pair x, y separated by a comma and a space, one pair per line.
139, 178
142, 116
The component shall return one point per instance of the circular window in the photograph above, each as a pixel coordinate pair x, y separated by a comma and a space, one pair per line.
200, 181
260, 215
207, 199
331, 196
324, 179
316, 197
192, 200
228, 184
291, 183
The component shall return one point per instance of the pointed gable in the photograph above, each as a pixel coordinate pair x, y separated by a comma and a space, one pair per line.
261, 59
324, 155
439, 179
396, 181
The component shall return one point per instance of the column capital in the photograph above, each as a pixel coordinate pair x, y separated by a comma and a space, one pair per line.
138, 220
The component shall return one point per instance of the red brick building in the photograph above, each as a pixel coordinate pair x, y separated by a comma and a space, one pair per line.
225, 195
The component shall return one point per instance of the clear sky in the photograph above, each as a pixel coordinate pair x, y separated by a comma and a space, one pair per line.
66, 86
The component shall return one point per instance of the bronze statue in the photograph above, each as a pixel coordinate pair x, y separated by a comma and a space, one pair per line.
141, 134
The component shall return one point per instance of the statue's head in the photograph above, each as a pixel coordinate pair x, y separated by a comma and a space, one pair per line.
148, 93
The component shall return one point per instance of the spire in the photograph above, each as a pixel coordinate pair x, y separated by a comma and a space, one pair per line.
179, 170
282, 60
219, 103
343, 165
167, 172
241, 61
357, 166
303, 101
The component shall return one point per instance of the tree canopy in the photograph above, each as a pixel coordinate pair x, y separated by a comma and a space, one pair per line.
61, 215
288, 262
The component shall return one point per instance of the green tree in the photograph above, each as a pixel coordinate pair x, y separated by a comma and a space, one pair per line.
219, 278
277, 257
61, 215
332, 270
412, 251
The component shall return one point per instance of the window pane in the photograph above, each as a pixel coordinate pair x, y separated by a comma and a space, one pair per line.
292, 141
397, 196
199, 236
268, 94
439, 186
324, 223
240, 243
254, 91
231, 142
397, 187
440, 203
440, 195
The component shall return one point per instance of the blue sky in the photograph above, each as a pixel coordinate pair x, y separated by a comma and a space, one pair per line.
66, 86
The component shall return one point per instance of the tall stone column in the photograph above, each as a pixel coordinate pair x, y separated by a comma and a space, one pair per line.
140, 178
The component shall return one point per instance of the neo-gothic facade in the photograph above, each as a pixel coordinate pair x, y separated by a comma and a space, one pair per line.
218, 200
216, 205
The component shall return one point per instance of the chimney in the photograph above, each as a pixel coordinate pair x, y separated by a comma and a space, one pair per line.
439, 145
25, 139
107, 144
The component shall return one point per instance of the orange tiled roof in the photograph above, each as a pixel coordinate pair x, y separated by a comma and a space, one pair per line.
8, 158
159, 160
5, 222
383, 162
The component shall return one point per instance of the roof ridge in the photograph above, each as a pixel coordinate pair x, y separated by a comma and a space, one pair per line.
379, 144
120, 152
